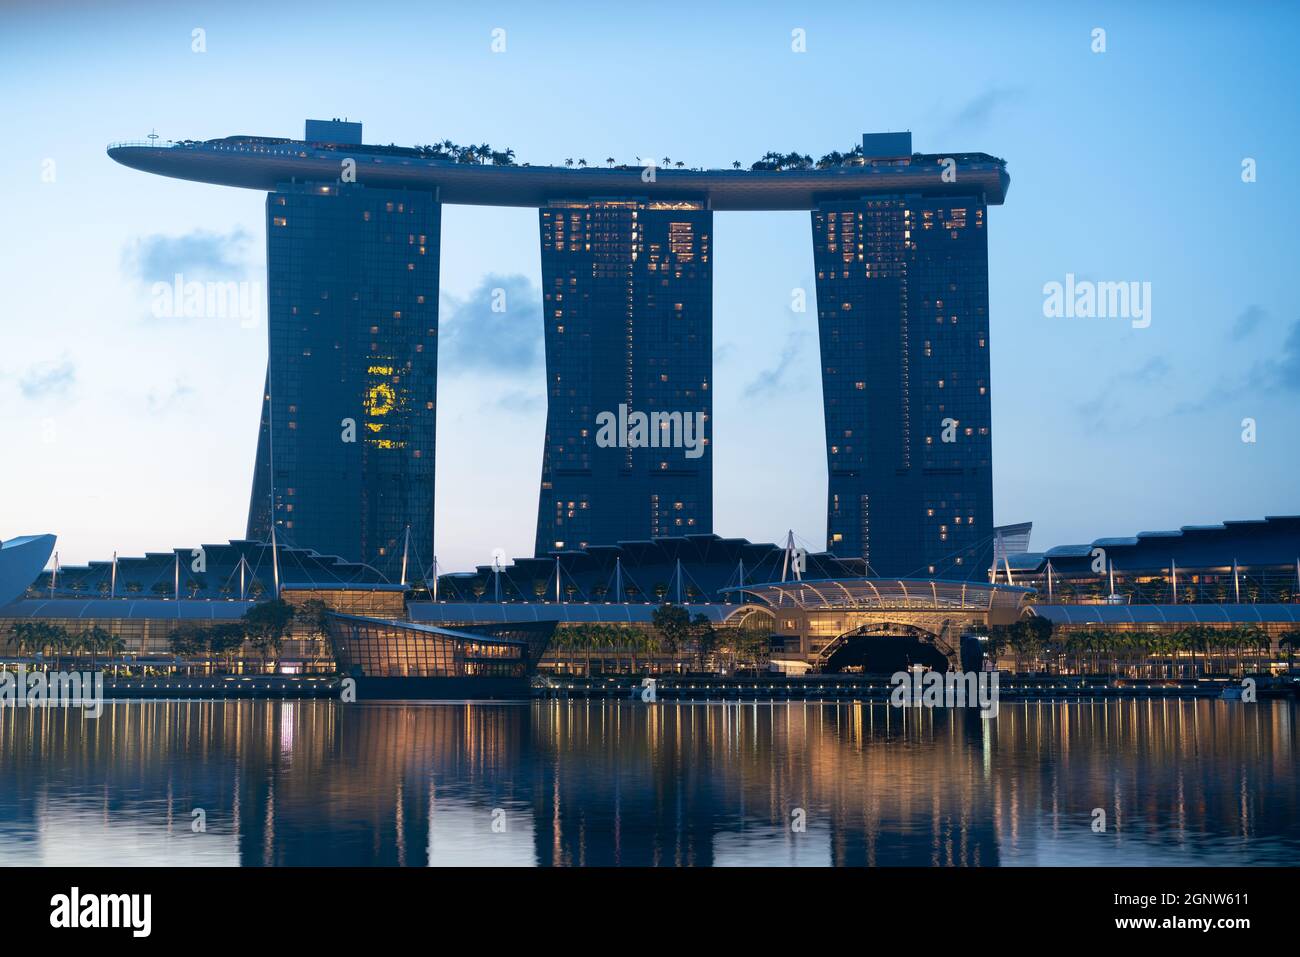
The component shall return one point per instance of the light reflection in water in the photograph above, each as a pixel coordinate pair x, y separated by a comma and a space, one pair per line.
596, 783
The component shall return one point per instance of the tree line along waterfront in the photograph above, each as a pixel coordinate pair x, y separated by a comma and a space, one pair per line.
276, 636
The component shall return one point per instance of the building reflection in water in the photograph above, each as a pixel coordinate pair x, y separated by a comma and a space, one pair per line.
623, 783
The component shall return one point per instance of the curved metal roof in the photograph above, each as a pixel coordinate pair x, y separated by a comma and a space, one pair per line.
430, 630
262, 166
1194, 614
494, 613
1272, 540
895, 594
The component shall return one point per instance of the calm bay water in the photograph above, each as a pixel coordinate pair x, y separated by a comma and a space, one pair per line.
600, 783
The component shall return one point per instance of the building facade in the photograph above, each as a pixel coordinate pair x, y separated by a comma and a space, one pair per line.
628, 314
345, 458
903, 321
902, 291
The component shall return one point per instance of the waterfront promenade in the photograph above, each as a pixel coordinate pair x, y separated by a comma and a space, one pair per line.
701, 688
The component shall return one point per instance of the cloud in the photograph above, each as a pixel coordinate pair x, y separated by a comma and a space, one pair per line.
974, 115
775, 378
1278, 374
1283, 372
498, 327
47, 378
1248, 322
165, 401
517, 402
1115, 393
195, 255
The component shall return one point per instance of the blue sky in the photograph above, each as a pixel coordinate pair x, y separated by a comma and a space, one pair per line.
124, 431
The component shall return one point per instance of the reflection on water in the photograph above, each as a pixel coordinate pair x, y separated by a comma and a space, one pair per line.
576, 782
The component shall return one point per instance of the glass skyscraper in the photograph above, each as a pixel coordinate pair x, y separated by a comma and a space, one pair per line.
628, 313
903, 319
345, 459
903, 315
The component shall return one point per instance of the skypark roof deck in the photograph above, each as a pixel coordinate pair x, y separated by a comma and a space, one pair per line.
264, 162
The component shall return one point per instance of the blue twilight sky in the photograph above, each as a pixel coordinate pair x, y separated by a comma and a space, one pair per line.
125, 431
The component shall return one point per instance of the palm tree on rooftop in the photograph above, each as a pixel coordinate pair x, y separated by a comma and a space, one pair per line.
569, 162
667, 161
735, 164
582, 163
610, 161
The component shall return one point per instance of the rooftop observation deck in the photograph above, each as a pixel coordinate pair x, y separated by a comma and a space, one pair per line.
262, 163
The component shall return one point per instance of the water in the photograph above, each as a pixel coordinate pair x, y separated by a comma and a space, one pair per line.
575, 782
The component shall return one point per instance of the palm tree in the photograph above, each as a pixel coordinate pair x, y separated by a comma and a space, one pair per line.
24, 637
667, 161
1290, 640
113, 645
609, 640
94, 639
569, 162
582, 163
1257, 640
735, 164
59, 639
609, 160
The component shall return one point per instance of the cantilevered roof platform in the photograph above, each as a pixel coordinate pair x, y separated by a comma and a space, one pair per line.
263, 163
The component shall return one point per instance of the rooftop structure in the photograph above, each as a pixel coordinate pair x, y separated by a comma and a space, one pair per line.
263, 162
345, 459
